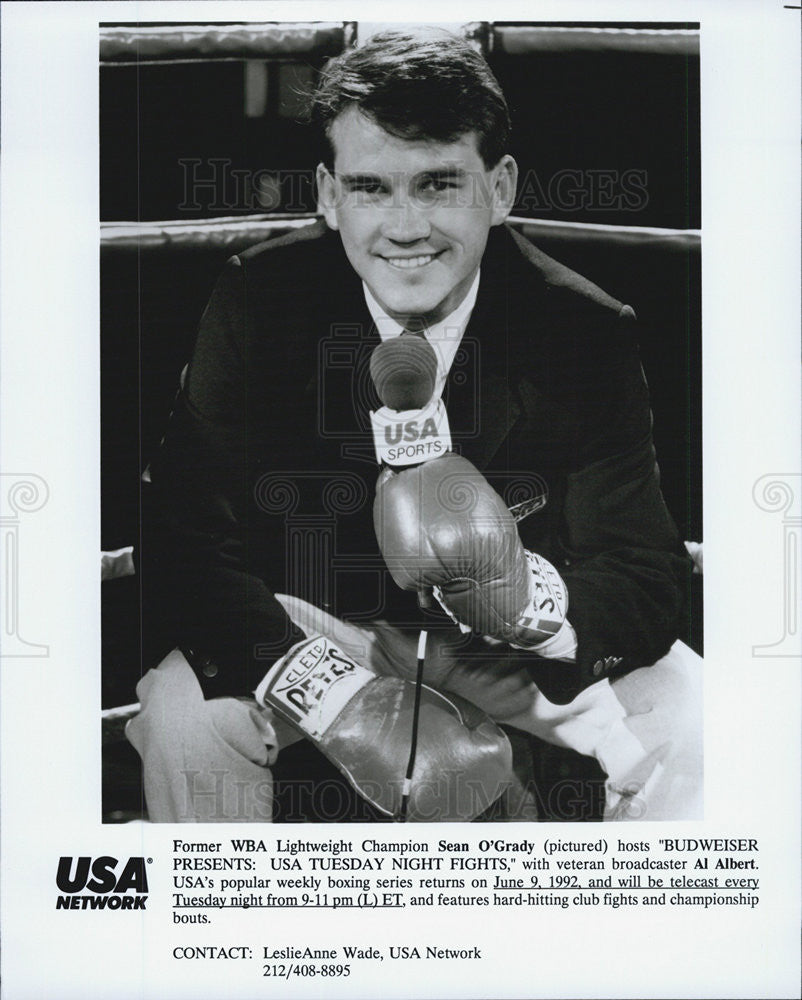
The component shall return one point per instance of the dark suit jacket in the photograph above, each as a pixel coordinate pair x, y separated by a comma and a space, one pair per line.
265, 480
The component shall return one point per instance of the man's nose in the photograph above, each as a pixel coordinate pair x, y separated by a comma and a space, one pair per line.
406, 222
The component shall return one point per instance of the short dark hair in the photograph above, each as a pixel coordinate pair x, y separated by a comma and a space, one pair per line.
416, 85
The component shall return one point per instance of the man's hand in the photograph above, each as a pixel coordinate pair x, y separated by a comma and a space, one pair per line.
472, 667
442, 527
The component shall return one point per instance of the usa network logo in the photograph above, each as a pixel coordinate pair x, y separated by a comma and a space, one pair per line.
108, 884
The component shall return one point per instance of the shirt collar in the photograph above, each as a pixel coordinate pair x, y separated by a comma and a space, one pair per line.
450, 328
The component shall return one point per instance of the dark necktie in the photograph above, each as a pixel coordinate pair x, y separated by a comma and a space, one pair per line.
415, 328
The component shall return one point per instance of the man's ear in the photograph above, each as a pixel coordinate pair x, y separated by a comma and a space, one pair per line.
505, 184
327, 196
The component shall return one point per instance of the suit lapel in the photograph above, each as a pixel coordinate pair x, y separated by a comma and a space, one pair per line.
501, 322
482, 413
341, 386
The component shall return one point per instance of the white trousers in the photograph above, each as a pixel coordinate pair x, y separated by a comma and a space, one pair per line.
209, 761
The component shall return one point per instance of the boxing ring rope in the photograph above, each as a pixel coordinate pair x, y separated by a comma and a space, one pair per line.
113, 720
142, 44
181, 43
223, 232
523, 40
205, 234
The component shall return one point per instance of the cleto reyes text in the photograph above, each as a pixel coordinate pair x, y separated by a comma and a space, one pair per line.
312, 673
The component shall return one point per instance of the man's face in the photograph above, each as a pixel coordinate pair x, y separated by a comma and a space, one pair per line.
413, 214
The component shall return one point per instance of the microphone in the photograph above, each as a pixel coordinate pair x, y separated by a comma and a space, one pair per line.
404, 371
412, 426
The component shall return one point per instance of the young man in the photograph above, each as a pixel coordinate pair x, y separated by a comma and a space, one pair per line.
265, 482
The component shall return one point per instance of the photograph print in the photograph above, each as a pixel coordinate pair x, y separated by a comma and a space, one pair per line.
401, 422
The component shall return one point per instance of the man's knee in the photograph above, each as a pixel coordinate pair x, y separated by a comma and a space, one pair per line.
202, 760
655, 765
663, 703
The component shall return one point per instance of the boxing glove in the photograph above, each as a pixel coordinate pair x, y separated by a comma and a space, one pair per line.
363, 724
441, 525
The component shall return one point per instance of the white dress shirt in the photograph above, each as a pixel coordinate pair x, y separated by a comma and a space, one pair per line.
445, 336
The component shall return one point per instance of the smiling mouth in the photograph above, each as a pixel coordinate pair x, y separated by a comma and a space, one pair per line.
410, 263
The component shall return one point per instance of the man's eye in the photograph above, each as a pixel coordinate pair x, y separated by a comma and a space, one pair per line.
438, 184
369, 187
